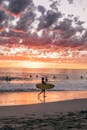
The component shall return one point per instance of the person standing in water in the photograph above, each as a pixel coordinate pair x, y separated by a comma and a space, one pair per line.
46, 79
43, 82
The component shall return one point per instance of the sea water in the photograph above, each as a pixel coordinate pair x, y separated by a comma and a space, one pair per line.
63, 79
69, 84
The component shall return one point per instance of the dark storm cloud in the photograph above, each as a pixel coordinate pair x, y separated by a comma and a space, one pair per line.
77, 21
70, 1
72, 31
25, 21
41, 9
49, 19
84, 37
2, 16
3, 19
27, 18
1, 1
69, 32
68, 37
54, 5
80, 22
64, 25
70, 15
16, 6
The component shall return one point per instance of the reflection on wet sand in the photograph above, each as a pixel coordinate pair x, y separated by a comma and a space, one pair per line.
21, 98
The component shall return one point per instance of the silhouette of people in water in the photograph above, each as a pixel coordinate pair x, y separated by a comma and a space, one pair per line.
54, 77
43, 82
67, 77
30, 76
36, 76
81, 77
43, 89
46, 79
7, 78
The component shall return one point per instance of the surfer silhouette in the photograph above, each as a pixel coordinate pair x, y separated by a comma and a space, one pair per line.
43, 89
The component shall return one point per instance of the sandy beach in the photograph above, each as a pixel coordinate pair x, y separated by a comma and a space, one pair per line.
62, 115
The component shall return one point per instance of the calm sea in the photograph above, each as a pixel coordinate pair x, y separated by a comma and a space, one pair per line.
73, 81
63, 79
59, 73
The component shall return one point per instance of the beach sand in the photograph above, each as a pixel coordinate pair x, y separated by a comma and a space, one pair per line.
62, 115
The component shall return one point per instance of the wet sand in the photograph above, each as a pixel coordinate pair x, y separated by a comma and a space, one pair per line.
27, 98
62, 115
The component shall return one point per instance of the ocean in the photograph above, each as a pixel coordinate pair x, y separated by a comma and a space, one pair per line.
63, 79
18, 86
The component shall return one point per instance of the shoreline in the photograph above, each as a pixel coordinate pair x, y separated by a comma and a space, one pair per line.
35, 90
38, 109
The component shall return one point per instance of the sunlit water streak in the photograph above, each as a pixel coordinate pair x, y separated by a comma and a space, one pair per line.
23, 98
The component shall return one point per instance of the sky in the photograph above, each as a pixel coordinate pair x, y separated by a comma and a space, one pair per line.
43, 33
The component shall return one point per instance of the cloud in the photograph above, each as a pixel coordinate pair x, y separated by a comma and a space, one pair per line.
2, 16
54, 5
19, 15
84, 37
71, 36
40, 26
77, 21
64, 25
41, 9
49, 19
16, 6
25, 21
70, 1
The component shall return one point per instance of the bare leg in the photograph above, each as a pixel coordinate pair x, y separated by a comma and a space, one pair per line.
44, 93
40, 93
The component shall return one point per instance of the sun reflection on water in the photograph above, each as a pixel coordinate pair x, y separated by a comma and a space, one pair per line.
23, 98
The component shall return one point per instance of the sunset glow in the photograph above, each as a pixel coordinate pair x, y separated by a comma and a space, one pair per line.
39, 35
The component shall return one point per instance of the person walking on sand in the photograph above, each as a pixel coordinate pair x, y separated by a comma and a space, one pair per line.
43, 89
